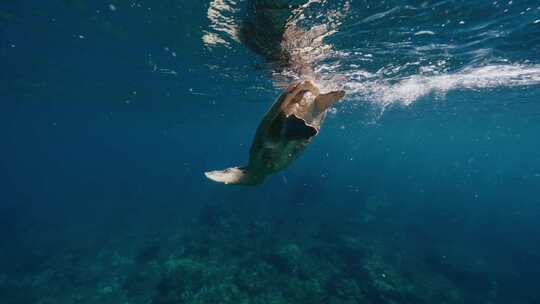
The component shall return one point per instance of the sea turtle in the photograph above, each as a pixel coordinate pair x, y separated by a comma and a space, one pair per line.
288, 127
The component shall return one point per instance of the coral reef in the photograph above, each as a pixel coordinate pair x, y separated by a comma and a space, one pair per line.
223, 257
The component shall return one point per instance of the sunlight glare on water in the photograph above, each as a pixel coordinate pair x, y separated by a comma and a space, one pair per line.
412, 55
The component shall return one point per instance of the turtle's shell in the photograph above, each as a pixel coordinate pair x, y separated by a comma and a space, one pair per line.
286, 129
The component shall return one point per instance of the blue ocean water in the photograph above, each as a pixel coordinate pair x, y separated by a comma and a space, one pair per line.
422, 186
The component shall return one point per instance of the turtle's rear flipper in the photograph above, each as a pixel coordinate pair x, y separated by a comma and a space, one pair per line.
233, 176
325, 101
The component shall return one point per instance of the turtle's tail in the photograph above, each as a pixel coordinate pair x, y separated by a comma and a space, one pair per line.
233, 176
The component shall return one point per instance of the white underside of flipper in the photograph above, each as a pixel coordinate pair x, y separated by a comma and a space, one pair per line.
233, 176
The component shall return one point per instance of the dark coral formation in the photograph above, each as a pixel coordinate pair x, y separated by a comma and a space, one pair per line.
223, 256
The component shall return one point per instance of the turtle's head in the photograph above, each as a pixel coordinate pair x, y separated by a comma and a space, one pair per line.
305, 85
234, 176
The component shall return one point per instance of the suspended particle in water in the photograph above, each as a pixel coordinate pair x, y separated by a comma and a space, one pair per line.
112, 7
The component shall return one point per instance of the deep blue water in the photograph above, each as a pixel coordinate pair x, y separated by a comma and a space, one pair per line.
425, 177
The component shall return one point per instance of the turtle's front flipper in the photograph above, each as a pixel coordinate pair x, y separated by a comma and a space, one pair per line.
325, 101
233, 176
